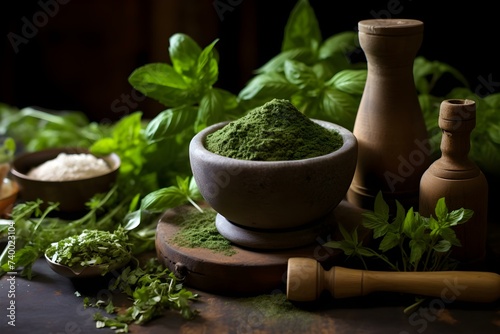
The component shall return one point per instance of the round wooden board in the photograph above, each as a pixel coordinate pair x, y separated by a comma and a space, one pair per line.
248, 271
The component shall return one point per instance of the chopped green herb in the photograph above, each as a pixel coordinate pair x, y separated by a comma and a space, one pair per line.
91, 247
154, 290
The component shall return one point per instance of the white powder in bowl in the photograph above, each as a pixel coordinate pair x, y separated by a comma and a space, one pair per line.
70, 167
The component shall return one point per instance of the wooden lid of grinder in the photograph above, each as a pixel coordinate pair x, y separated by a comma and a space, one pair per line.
391, 27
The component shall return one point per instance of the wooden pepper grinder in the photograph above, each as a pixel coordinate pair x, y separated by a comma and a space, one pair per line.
459, 180
393, 147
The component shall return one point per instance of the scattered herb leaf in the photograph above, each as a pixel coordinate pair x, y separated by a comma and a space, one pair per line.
153, 289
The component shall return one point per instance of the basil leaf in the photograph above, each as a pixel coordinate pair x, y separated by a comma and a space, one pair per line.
128, 142
339, 107
422, 69
460, 216
170, 122
493, 100
211, 109
37, 129
163, 199
184, 53
389, 241
193, 190
157, 74
449, 235
486, 154
267, 86
409, 223
417, 250
400, 217
309, 106
441, 209
162, 83
182, 184
494, 133
426, 73
381, 208
442, 246
207, 68
228, 99
434, 226
342, 44
363, 251
345, 233
325, 69
276, 63
104, 146
421, 228
349, 81
373, 222
302, 28
301, 75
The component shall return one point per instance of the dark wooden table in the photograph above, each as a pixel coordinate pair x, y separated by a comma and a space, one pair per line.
48, 304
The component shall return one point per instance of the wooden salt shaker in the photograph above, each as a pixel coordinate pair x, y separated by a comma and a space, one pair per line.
393, 148
458, 179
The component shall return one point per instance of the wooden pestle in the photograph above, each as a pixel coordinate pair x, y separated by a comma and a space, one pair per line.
307, 279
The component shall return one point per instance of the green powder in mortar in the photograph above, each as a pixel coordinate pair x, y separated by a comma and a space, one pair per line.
276, 131
198, 230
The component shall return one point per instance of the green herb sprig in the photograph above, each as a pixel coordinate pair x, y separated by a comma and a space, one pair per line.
420, 243
35, 129
186, 87
408, 241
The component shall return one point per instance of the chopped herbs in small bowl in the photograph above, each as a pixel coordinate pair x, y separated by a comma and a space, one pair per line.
91, 253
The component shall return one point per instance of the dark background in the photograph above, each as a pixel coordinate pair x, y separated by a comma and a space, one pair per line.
81, 56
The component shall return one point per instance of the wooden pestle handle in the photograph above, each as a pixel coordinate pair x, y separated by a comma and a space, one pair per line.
307, 280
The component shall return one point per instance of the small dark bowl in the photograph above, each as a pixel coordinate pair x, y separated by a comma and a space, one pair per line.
71, 195
273, 194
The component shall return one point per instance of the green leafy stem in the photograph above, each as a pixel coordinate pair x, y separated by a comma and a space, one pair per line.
408, 241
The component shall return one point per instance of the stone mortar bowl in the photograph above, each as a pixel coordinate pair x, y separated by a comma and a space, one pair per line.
273, 194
